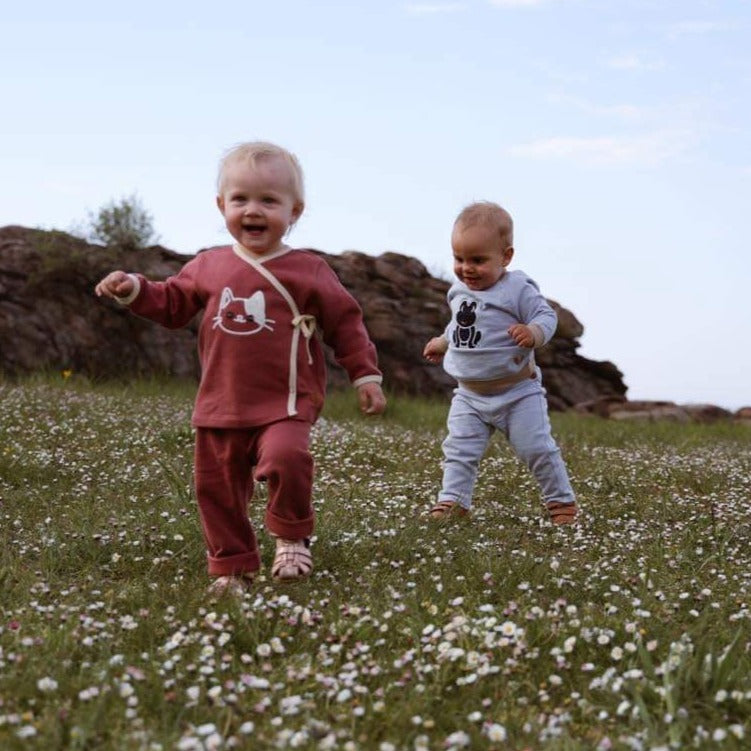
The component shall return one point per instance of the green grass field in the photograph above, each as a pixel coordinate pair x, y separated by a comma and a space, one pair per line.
629, 631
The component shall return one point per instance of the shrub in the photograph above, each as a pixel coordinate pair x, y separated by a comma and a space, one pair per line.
123, 224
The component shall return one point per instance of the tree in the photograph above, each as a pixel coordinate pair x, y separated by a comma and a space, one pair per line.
123, 224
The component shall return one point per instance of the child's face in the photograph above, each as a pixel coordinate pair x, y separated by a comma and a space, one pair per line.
258, 203
480, 255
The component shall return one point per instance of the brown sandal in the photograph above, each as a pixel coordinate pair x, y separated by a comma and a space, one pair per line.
562, 513
292, 560
236, 586
445, 509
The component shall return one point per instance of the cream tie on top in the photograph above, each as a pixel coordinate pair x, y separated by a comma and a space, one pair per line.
302, 323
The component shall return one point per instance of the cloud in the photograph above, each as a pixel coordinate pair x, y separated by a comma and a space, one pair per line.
423, 9
633, 61
516, 3
684, 28
629, 112
649, 149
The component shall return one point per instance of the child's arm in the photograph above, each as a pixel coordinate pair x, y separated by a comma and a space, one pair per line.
172, 303
435, 349
538, 320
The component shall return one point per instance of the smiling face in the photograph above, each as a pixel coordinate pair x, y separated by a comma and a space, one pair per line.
481, 254
259, 203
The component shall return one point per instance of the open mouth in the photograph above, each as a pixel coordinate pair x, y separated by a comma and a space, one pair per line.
254, 229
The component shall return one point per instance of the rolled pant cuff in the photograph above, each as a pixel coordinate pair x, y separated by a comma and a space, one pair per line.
297, 529
234, 565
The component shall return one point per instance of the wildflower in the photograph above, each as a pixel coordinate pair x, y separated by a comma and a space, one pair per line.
457, 739
276, 645
496, 733
125, 690
47, 684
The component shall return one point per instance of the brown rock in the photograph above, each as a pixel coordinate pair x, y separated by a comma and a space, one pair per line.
51, 320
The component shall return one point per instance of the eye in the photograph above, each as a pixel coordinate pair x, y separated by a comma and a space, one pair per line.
230, 314
269, 199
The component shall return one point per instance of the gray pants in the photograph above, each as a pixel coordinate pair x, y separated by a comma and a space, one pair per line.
521, 414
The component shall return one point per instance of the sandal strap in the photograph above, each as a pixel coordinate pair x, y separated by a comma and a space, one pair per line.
444, 508
562, 513
292, 559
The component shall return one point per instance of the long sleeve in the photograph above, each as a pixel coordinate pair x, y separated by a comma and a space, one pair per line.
174, 302
343, 328
535, 311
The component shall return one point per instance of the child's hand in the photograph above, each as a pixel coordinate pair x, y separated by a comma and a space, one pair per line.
116, 284
435, 349
522, 335
371, 398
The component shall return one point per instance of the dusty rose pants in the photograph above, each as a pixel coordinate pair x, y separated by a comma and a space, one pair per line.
227, 461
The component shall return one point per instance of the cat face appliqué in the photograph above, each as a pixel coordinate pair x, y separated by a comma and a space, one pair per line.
242, 316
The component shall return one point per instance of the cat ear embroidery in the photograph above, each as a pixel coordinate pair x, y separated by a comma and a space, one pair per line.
242, 316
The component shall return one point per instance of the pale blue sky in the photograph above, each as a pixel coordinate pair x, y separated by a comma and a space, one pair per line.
617, 134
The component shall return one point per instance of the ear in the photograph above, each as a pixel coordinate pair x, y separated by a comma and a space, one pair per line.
220, 203
508, 254
297, 210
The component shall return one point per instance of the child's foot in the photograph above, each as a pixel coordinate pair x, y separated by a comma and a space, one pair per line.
236, 586
445, 509
562, 513
292, 560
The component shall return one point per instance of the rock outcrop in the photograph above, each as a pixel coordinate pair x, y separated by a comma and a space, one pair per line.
619, 408
50, 319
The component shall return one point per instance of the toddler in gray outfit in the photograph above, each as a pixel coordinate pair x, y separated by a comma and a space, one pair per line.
498, 318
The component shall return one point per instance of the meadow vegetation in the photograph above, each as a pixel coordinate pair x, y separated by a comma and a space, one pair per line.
628, 631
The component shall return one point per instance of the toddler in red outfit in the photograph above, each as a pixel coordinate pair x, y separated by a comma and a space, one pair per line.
267, 307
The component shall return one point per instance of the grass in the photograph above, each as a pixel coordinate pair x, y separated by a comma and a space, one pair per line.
630, 630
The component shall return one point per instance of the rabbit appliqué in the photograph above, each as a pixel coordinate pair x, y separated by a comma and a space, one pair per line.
465, 333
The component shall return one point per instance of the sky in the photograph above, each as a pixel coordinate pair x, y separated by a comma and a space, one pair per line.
618, 135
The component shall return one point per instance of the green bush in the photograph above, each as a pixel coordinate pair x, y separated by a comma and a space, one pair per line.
123, 224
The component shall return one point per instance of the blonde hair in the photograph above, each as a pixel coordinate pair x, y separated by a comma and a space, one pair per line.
490, 215
254, 152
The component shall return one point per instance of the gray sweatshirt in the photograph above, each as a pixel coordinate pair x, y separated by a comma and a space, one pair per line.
480, 347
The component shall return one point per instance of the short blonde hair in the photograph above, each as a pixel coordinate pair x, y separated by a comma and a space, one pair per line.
490, 215
254, 152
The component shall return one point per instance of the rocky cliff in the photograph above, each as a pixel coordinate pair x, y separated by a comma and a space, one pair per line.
50, 319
